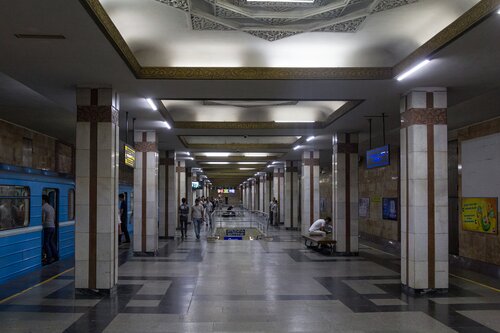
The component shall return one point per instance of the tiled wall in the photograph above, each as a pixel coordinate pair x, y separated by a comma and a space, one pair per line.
376, 184
21, 147
480, 177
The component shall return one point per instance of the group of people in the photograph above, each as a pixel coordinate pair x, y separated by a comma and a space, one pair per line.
201, 212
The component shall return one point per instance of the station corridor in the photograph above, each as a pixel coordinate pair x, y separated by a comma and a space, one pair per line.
252, 286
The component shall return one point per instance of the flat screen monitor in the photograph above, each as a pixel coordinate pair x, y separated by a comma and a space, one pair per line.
196, 185
232, 191
378, 157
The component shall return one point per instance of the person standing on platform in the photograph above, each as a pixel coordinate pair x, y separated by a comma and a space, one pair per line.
197, 215
210, 209
183, 217
123, 217
49, 230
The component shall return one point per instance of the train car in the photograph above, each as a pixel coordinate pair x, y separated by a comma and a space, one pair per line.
21, 232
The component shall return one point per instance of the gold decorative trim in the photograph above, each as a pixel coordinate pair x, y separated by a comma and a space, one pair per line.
444, 37
456, 29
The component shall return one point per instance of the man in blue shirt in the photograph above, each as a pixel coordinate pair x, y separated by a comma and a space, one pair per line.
123, 217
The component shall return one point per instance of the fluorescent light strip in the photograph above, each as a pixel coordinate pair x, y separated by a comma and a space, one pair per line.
151, 104
168, 125
250, 163
294, 121
310, 138
216, 154
296, 147
255, 154
244, 169
214, 162
413, 70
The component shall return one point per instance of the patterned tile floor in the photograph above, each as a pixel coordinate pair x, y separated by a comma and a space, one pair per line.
248, 286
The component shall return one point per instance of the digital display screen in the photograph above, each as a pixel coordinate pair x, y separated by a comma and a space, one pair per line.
196, 185
377, 157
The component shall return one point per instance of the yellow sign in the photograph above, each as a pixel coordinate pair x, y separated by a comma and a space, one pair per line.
129, 156
480, 214
376, 199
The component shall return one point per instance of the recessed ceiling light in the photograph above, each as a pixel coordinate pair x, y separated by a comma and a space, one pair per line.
255, 154
412, 70
151, 104
310, 138
216, 154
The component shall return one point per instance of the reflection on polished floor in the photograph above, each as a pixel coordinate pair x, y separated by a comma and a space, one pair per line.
253, 286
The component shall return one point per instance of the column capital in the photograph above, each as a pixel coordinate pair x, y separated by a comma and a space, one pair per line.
146, 141
424, 98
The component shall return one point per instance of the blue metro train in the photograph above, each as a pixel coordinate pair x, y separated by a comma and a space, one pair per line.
21, 237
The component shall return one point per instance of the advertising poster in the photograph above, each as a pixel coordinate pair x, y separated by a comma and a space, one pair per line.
364, 207
480, 214
390, 209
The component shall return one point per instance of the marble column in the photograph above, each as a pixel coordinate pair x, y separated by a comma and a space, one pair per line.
180, 181
345, 192
247, 194
310, 189
96, 189
262, 191
146, 193
424, 189
292, 194
267, 192
255, 192
194, 195
279, 191
189, 190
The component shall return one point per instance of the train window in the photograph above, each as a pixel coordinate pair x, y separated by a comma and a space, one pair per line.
71, 205
14, 207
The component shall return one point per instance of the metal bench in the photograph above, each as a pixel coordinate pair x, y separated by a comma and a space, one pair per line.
320, 243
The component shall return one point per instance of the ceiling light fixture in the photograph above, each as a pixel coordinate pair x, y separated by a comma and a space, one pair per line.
151, 104
294, 121
412, 70
250, 163
214, 162
310, 138
269, 166
216, 154
255, 154
245, 169
296, 147
168, 125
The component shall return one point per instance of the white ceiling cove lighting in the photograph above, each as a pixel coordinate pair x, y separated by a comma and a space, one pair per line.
413, 70
216, 154
151, 104
294, 121
310, 138
255, 154
168, 125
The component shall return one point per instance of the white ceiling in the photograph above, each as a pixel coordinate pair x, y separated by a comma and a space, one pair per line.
160, 35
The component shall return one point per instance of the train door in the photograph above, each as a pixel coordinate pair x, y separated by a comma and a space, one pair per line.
53, 194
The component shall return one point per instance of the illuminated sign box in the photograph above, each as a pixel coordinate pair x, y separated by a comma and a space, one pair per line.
129, 156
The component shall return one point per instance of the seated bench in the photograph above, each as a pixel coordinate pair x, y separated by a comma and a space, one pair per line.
320, 242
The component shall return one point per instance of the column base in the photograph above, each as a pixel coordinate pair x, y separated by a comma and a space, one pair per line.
166, 237
146, 254
96, 292
421, 292
292, 228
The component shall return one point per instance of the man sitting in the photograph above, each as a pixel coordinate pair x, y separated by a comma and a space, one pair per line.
321, 227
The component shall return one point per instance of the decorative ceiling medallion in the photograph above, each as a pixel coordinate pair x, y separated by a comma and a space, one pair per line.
390, 4
347, 26
181, 4
272, 36
201, 23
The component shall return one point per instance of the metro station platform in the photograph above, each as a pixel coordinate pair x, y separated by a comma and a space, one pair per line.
249, 286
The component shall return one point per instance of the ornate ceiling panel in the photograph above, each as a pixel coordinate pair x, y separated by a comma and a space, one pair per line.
273, 21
